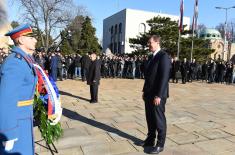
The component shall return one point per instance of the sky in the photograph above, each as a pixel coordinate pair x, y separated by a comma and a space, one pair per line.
101, 9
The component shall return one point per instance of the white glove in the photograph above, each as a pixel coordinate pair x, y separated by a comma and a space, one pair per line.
9, 144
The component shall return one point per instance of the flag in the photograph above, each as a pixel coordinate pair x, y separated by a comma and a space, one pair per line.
195, 15
50, 96
181, 15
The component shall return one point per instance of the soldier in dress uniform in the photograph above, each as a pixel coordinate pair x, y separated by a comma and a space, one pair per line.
17, 88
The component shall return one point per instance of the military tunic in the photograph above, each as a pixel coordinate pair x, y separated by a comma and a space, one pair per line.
17, 88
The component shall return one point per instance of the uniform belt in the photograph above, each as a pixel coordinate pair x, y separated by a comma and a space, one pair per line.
25, 103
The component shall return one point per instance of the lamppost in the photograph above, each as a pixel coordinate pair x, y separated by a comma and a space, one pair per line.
225, 28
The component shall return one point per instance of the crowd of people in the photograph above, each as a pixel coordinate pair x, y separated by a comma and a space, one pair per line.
123, 66
76, 66
211, 71
3, 54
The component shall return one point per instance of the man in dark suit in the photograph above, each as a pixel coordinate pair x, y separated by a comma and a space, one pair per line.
85, 63
155, 93
184, 69
93, 78
175, 70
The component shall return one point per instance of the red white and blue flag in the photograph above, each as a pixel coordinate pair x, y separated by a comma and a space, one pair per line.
49, 94
181, 15
195, 15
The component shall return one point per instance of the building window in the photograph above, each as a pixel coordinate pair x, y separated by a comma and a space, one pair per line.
111, 39
142, 28
112, 30
209, 45
116, 29
215, 56
115, 48
119, 47
120, 27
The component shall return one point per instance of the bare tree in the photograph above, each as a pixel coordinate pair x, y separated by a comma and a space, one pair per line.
48, 16
200, 28
220, 28
229, 32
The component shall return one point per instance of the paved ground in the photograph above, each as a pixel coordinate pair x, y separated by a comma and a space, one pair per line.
200, 118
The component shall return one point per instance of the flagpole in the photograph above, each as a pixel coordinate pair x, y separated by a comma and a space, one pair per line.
180, 25
178, 51
191, 55
194, 26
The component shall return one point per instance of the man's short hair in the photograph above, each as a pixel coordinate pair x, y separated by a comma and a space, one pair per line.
93, 52
156, 38
16, 42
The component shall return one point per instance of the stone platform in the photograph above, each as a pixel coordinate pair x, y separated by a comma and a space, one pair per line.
200, 118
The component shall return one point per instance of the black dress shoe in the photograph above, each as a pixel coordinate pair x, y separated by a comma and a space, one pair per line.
93, 101
146, 143
156, 150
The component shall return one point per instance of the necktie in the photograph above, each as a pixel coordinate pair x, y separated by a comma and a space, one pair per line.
150, 58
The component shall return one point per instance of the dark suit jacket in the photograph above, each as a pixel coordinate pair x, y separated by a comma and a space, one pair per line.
157, 75
94, 73
85, 61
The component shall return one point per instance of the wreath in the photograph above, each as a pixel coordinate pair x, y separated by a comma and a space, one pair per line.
47, 112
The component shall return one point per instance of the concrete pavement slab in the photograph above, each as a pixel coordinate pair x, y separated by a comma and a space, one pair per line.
200, 119
217, 146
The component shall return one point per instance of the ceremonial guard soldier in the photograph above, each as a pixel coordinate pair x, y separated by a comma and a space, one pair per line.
17, 88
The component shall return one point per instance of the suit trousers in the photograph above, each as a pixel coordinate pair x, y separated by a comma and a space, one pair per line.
94, 92
156, 120
54, 74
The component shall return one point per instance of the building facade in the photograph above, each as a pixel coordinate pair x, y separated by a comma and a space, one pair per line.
126, 24
217, 43
231, 54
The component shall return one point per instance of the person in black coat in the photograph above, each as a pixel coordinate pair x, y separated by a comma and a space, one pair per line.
184, 69
93, 78
210, 71
175, 70
204, 71
85, 62
77, 65
155, 94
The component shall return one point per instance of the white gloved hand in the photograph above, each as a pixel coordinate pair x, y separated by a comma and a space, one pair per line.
58, 117
9, 144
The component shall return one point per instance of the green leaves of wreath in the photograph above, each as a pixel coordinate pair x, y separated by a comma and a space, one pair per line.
50, 133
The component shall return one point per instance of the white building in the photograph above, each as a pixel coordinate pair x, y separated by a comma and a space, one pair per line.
128, 23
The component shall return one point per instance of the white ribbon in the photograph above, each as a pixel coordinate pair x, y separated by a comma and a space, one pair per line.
52, 94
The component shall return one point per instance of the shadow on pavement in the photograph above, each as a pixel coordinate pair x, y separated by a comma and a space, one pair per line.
75, 116
71, 95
